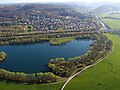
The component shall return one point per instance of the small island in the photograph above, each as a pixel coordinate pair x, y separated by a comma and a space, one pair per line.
2, 56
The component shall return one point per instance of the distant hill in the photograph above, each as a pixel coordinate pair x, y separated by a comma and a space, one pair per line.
107, 8
50, 10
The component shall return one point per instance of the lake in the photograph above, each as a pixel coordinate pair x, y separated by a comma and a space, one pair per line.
32, 58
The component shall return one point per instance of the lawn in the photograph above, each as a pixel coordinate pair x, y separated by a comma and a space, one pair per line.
13, 86
104, 76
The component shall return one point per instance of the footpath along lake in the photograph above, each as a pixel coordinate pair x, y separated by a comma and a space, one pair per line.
33, 58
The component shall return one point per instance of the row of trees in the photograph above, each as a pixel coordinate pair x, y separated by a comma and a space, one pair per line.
28, 38
47, 77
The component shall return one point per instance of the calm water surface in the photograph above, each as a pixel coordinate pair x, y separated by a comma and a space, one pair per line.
32, 58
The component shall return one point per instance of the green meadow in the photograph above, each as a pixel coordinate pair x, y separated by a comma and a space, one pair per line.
113, 24
16, 86
112, 20
103, 76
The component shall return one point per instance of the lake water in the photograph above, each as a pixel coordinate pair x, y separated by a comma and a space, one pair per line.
32, 58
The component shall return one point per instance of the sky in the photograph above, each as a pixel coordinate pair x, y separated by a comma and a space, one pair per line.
29, 1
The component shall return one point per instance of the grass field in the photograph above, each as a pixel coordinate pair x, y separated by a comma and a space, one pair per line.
12, 86
104, 76
114, 14
112, 23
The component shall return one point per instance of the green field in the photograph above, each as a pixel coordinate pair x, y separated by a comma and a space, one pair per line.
112, 23
13, 86
114, 14
104, 76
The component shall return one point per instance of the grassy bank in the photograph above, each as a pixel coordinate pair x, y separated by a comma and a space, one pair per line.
56, 41
104, 76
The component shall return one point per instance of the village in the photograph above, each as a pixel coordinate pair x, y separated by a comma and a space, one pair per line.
38, 20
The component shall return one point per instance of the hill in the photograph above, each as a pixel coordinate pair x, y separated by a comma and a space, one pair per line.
107, 8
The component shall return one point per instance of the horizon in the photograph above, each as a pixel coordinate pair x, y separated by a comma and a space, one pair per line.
55, 1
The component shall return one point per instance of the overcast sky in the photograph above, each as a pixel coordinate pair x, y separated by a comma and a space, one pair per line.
23, 1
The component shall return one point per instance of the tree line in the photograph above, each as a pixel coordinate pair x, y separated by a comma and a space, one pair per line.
38, 37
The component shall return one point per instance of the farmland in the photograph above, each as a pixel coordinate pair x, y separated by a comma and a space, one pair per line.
112, 19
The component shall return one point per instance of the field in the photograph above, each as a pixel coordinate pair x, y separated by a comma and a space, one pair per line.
115, 15
104, 76
112, 19
13, 86
113, 24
